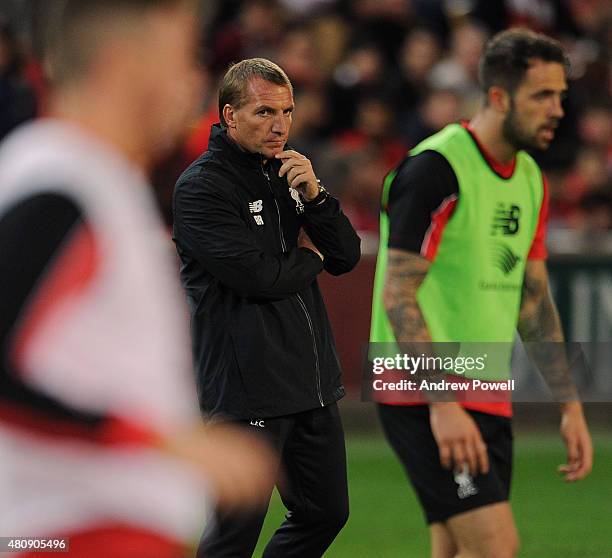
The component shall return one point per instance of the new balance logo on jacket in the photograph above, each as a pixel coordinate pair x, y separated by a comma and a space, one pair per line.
256, 206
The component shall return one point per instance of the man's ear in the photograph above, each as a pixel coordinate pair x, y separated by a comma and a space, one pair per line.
229, 116
499, 99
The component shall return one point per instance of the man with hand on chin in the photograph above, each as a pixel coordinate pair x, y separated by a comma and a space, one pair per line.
253, 229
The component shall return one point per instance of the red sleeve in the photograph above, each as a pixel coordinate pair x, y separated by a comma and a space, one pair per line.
538, 249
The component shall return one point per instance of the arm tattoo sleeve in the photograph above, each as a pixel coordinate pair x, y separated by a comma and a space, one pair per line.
540, 329
405, 273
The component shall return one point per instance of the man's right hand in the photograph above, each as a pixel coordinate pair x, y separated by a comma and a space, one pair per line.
304, 241
458, 438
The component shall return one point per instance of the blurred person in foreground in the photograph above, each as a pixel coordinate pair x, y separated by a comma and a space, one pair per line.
463, 192
253, 228
100, 435
17, 97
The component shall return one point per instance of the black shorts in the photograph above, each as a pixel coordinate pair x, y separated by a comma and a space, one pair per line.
443, 493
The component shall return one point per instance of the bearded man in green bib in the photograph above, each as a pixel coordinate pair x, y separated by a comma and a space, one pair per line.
462, 259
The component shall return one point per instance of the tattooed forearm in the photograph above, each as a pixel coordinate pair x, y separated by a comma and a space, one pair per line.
540, 330
405, 273
538, 318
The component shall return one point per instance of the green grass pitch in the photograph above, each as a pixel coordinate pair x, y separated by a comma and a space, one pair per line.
555, 520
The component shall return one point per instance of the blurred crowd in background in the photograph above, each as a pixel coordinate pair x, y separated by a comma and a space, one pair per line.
372, 78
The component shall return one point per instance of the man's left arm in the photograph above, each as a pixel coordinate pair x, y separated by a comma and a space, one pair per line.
540, 329
324, 222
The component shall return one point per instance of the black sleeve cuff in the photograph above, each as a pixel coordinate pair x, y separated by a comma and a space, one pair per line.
318, 200
315, 257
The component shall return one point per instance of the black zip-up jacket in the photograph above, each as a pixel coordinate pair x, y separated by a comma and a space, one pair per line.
263, 345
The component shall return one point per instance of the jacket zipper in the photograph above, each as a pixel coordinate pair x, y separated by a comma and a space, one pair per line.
300, 300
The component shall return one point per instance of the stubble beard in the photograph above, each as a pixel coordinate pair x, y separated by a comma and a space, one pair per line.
515, 135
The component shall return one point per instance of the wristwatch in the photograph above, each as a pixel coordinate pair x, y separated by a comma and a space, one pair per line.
321, 196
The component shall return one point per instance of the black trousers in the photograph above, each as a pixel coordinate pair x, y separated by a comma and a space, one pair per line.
313, 488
